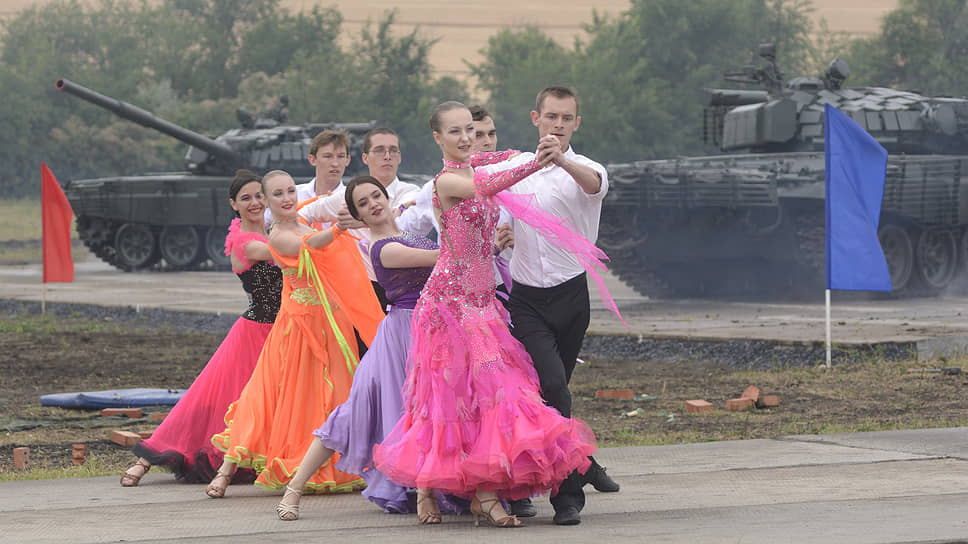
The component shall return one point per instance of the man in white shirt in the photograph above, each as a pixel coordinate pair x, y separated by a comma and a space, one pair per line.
381, 153
329, 153
549, 295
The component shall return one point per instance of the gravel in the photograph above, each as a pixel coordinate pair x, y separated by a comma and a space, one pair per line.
738, 354
127, 315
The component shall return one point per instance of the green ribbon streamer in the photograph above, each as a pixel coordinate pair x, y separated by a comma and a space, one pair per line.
308, 270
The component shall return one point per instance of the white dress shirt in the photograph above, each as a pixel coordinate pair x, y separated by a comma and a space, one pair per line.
536, 261
326, 209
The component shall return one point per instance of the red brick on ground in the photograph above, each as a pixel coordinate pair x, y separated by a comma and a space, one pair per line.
768, 401
752, 392
145, 435
78, 453
623, 394
157, 416
21, 458
130, 412
698, 406
125, 438
741, 403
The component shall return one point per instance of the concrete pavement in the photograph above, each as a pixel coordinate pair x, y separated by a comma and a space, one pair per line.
883, 487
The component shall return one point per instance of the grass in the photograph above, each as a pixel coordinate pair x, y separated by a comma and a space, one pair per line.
92, 468
20, 220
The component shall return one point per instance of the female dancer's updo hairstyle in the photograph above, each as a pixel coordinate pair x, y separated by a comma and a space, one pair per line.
352, 185
442, 109
242, 178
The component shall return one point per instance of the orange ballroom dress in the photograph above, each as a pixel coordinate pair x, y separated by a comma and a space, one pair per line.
305, 369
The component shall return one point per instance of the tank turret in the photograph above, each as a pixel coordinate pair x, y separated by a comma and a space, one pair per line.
134, 222
751, 222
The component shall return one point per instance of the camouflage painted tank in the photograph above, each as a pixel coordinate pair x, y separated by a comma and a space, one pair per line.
135, 222
751, 222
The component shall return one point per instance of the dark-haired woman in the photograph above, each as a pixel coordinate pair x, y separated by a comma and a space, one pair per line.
183, 440
402, 262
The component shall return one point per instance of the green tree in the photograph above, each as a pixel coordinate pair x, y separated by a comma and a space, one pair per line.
640, 74
922, 45
517, 64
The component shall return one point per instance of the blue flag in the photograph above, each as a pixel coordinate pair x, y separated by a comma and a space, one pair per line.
855, 169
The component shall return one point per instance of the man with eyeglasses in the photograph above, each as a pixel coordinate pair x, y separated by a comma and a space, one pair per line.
329, 154
381, 153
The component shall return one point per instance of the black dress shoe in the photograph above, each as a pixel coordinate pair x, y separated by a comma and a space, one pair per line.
599, 479
523, 508
568, 515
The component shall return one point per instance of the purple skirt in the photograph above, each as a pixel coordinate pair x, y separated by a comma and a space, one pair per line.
371, 411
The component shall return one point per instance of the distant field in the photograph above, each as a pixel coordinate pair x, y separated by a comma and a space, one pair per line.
464, 26
21, 232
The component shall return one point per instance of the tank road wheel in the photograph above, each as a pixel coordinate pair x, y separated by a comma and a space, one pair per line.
215, 246
899, 252
136, 246
937, 258
180, 246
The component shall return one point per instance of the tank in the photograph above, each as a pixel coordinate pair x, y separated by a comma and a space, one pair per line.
179, 219
750, 221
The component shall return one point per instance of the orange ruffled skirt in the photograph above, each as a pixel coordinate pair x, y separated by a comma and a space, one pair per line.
301, 377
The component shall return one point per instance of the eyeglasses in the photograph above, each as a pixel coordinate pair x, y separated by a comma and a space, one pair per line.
382, 151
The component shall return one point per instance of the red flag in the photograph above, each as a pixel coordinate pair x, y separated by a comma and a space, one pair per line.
56, 215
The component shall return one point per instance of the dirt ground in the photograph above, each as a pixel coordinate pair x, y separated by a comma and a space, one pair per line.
72, 354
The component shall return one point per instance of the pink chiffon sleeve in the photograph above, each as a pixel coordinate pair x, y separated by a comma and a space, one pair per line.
488, 184
485, 158
237, 239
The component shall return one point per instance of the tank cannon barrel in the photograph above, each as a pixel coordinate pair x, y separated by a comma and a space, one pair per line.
733, 97
133, 113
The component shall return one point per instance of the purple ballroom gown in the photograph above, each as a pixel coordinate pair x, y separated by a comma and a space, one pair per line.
375, 402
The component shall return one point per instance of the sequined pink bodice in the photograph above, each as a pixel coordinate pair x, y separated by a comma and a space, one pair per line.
463, 275
463, 280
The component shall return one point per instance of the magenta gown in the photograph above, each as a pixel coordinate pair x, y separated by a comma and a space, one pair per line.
183, 440
474, 418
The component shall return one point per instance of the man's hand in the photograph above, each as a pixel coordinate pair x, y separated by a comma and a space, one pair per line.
549, 150
504, 237
346, 221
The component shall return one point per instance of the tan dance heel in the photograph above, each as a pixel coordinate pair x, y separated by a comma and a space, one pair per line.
427, 511
216, 491
132, 480
479, 511
288, 512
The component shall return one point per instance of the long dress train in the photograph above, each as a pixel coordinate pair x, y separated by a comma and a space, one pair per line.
183, 440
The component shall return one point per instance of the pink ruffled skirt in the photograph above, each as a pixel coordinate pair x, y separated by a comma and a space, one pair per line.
474, 418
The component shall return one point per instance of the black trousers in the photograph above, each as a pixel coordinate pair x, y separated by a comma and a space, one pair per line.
551, 323
381, 295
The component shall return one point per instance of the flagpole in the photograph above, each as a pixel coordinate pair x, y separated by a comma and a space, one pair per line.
43, 298
828, 328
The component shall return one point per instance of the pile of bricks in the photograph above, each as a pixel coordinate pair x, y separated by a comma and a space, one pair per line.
127, 438
751, 397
